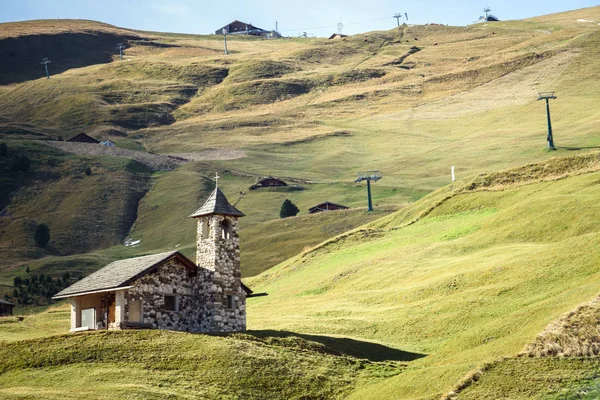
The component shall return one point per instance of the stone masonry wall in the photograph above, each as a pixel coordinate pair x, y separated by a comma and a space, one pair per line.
172, 279
202, 302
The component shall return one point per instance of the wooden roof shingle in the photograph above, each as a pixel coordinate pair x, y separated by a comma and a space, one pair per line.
217, 203
121, 273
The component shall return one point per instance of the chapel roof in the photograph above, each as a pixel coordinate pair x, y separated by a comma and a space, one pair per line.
121, 273
217, 203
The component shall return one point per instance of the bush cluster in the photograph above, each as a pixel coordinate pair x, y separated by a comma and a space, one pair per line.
38, 289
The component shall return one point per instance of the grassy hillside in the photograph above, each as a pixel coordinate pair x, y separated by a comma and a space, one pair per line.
265, 239
267, 244
410, 102
84, 212
468, 274
562, 362
35, 322
535, 378
153, 364
24, 44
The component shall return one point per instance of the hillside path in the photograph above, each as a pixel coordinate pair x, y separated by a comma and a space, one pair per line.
156, 162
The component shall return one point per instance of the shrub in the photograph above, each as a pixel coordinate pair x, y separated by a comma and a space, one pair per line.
42, 235
88, 171
288, 209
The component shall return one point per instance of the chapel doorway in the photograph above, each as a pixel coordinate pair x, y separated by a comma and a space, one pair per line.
112, 307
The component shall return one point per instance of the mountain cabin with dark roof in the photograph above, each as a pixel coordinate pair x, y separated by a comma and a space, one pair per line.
83, 138
337, 36
168, 290
326, 206
241, 28
6, 308
271, 182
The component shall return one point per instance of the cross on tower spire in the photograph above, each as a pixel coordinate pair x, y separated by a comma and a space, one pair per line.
217, 179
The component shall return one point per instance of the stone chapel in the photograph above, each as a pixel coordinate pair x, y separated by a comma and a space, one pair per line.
168, 290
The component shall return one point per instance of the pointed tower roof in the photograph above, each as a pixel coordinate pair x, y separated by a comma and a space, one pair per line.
217, 203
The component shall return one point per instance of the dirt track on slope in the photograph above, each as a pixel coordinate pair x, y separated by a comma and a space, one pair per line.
156, 162
211, 154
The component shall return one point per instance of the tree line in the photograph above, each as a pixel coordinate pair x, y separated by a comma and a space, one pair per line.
37, 289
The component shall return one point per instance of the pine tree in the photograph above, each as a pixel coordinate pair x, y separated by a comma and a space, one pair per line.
42, 235
288, 209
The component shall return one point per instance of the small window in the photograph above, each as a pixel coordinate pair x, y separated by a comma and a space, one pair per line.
171, 303
135, 311
230, 301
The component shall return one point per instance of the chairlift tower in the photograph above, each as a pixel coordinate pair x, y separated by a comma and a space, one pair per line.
547, 96
487, 12
121, 47
45, 62
398, 16
369, 176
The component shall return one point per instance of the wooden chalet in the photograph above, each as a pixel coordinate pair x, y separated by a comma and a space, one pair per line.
6, 308
83, 138
271, 182
241, 28
326, 206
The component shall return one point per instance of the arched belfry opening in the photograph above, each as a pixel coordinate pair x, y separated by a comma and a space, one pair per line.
226, 230
205, 228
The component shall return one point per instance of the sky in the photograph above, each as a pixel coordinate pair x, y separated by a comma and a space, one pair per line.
316, 17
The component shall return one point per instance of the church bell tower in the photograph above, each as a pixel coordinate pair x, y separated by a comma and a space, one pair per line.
218, 258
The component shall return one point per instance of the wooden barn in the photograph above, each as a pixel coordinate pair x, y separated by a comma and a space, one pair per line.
270, 182
83, 138
326, 206
6, 308
241, 28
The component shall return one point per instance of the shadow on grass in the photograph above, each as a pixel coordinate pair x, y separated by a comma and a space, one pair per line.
22, 56
350, 347
577, 148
